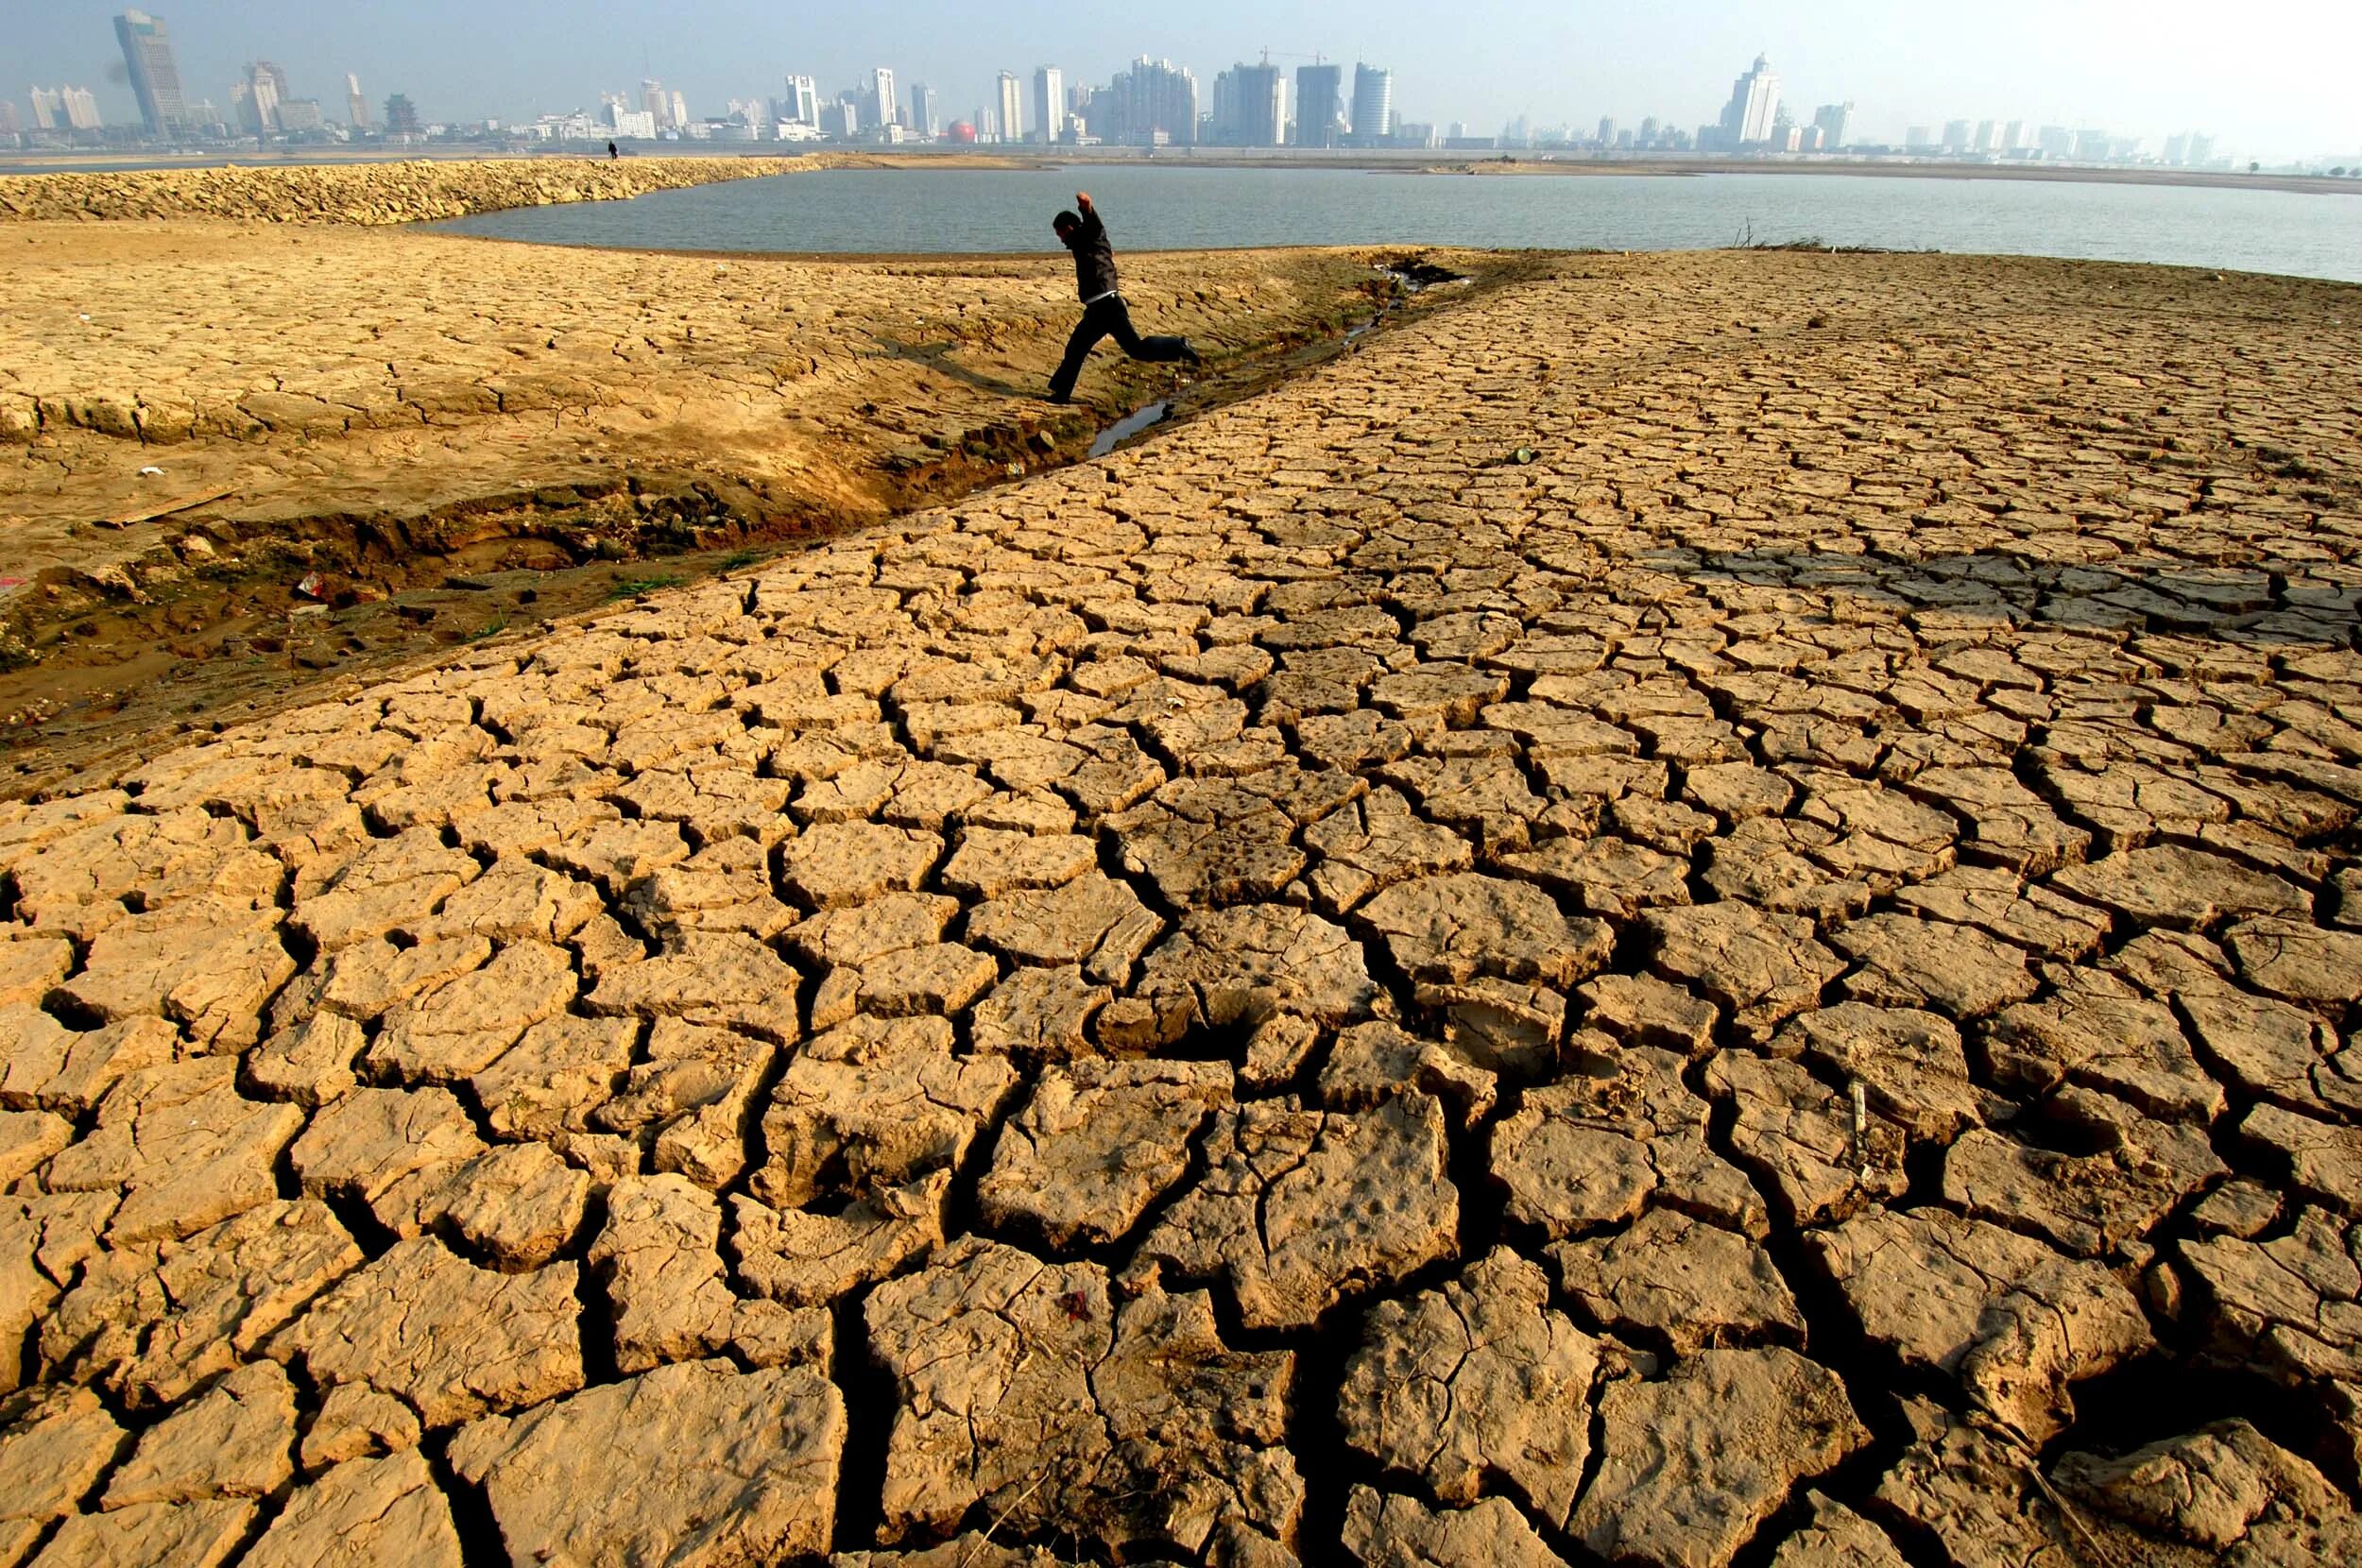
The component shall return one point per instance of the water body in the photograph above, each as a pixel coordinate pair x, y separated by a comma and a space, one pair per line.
897, 211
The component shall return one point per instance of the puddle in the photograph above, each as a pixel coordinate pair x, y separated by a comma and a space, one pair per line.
1127, 427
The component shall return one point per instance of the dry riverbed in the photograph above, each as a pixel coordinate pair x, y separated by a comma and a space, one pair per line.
371, 445
1694, 911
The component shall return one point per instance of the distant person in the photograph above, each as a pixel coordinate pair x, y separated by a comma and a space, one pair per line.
611, 154
1104, 311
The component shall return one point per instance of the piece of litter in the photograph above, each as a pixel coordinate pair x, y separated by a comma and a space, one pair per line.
151, 470
309, 585
86, 316
1522, 456
1861, 1129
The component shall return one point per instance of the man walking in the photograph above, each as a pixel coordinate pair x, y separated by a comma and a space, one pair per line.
1104, 311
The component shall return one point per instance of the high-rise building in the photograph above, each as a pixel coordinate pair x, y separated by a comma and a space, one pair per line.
48, 108
1988, 136
1919, 139
258, 95
1607, 131
653, 100
1372, 105
679, 106
356, 106
1754, 109
1011, 115
924, 120
841, 119
2201, 150
2014, 136
81, 108
1251, 107
1153, 104
9, 126
1049, 104
1957, 134
1320, 105
1835, 122
402, 116
803, 102
2055, 141
301, 117
155, 76
881, 109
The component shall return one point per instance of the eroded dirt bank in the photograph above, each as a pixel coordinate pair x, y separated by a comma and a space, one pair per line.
1706, 911
369, 445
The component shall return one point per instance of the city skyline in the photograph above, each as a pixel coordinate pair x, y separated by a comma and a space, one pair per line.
1566, 66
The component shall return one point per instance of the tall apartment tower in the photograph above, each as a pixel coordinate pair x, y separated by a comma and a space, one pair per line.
803, 101
883, 108
1050, 104
1372, 105
1836, 124
1251, 107
924, 122
155, 77
1754, 106
1012, 108
356, 106
1320, 104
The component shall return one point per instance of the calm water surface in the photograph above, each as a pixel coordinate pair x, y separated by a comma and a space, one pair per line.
906, 211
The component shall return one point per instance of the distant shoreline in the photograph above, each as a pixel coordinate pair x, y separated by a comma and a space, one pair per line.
1409, 162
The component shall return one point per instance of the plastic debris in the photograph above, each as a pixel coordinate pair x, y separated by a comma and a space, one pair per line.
311, 585
151, 472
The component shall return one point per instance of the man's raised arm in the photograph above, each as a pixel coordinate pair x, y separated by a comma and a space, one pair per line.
1090, 213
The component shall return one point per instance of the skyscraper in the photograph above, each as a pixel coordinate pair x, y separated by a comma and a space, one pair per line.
1251, 106
1320, 105
48, 108
1049, 104
258, 97
1372, 105
924, 121
1958, 135
881, 109
9, 126
81, 108
680, 110
803, 102
1607, 131
1154, 103
1012, 108
155, 77
356, 106
1754, 109
1836, 124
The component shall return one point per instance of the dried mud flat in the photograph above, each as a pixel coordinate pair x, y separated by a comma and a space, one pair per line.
253, 460
1703, 910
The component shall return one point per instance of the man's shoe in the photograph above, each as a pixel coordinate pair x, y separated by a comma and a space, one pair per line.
1191, 356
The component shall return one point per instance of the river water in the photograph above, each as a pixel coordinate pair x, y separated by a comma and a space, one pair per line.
935, 211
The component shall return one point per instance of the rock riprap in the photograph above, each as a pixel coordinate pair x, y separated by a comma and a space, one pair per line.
367, 193
1699, 910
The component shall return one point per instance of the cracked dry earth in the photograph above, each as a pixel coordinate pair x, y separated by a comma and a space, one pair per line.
1774, 984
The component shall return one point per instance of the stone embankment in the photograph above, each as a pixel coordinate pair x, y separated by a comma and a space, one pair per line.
369, 194
1704, 912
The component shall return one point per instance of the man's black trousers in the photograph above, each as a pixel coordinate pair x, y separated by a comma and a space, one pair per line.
1109, 318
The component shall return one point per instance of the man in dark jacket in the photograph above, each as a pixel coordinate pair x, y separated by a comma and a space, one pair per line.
1104, 312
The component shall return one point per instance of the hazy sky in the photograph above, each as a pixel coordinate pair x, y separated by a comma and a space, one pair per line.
2269, 77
